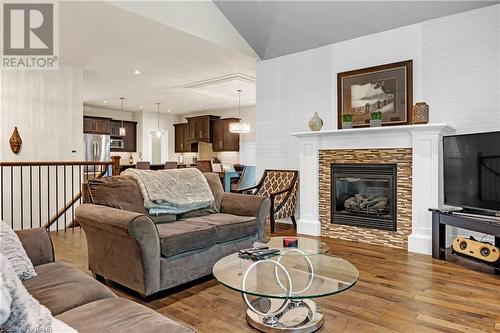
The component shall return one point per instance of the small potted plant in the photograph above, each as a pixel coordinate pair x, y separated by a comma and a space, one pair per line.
347, 121
376, 119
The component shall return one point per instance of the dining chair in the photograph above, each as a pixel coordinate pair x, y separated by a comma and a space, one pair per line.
247, 178
142, 165
171, 165
204, 166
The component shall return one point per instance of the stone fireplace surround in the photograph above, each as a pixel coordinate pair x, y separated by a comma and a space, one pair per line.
402, 157
425, 142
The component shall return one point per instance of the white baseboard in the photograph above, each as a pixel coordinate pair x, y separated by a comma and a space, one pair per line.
420, 244
309, 227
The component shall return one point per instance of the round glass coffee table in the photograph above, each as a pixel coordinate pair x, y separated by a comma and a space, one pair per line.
279, 291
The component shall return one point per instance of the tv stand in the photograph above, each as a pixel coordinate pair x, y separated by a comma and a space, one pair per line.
479, 223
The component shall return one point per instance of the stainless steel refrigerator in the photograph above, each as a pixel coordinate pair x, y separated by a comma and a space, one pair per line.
97, 148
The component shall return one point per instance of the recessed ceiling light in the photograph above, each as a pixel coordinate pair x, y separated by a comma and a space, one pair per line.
140, 107
168, 110
137, 72
201, 106
104, 102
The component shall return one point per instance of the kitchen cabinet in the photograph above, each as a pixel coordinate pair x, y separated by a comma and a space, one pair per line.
182, 144
111, 127
200, 128
223, 139
114, 128
210, 129
96, 125
130, 138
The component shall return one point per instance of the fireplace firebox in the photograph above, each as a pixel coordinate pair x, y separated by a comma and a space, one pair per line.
364, 195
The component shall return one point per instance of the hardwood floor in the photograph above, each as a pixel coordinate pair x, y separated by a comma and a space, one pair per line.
397, 292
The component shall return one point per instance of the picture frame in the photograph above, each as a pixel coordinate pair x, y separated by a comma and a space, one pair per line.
386, 88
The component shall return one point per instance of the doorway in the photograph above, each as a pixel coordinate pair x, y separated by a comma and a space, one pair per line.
158, 146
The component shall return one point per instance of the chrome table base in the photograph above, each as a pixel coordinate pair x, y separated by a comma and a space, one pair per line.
298, 316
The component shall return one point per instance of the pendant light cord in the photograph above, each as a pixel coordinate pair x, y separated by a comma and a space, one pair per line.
121, 108
239, 103
158, 118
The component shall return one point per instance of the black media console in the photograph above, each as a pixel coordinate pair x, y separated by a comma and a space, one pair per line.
478, 223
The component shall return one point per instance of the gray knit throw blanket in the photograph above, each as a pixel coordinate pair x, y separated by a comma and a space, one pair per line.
172, 191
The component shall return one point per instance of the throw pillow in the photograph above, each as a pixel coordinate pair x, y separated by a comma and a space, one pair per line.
120, 192
218, 192
5, 301
12, 249
26, 313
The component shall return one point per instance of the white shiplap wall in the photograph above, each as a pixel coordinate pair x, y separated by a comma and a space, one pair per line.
289, 90
462, 69
456, 68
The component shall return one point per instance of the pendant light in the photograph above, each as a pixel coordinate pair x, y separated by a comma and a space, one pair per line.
122, 131
239, 127
158, 132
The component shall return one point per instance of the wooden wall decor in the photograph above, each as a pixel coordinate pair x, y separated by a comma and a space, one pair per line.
15, 141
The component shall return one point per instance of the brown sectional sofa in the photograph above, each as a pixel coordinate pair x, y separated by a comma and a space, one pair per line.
80, 301
130, 249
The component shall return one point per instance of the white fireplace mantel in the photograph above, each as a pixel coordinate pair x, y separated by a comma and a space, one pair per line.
426, 144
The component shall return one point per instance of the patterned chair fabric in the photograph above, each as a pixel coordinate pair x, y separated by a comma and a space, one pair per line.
281, 186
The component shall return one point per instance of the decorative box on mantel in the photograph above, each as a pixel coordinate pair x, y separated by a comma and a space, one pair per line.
425, 142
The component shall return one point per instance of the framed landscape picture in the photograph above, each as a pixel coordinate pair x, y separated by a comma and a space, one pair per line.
386, 89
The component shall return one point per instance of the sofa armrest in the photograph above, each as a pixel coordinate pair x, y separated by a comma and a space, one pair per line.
37, 244
123, 246
248, 205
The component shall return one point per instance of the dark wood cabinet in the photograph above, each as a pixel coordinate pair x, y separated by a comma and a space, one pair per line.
200, 128
223, 139
114, 127
182, 144
111, 127
96, 125
130, 138
210, 129
218, 136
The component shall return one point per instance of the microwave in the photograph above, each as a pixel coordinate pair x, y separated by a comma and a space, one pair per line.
117, 143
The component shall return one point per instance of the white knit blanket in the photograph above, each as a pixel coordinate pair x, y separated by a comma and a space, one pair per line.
172, 191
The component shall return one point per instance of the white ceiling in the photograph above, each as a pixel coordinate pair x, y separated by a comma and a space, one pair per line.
193, 58
276, 28
110, 43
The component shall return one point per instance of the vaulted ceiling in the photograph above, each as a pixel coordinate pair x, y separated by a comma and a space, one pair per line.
276, 28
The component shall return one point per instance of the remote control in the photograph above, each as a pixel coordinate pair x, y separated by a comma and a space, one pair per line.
265, 253
252, 250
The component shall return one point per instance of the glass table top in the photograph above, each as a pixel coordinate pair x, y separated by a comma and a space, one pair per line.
307, 246
287, 276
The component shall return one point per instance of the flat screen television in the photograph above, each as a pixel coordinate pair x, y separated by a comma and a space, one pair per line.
472, 171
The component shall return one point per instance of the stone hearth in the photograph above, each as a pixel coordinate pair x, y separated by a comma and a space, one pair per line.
402, 157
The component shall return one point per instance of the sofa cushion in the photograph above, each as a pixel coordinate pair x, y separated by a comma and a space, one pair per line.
215, 184
183, 236
13, 250
228, 227
20, 311
61, 287
118, 315
120, 192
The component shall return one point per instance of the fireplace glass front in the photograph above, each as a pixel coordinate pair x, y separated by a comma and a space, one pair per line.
364, 195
